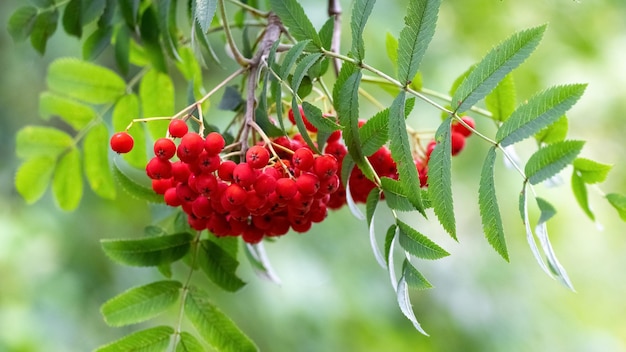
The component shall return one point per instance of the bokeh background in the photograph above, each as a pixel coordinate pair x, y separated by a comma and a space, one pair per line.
333, 296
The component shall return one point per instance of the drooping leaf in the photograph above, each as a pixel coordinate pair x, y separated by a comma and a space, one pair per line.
370, 208
293, 16
501, 101
97, 169
539, 112
108, 13
618, 201
499, 62
219, 265
34, 141
150, 36
72, 18
440, 178
135, 189
214, 326
549, 160
395, 195
150, 251
413, 277
404, 302
85, 81
130, 10
580, 193
43, 28
489, 209
361, 11
420, 22
155, 339
530, 237
352, 204
401, 152
141, 303
556, 132
260, 262
21, 22
188, 343
126, 110
591, 171
156, 93
389, 240
95, 44
418, 244
33, 177
74, 113
67, 182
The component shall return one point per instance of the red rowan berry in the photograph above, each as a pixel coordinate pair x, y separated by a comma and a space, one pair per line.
257, 157
265, 184
180, 171
159, 168
325, 166
280, 226
286, 188
308, 184
159, 186
214, 143
303, 159
185, 193
171, 197
225, 170
254, 201
234, 195
207, 162
122, 142
329, 185
244, 175
458, 127
336, 149
201, 207
190, 147
206, 184
309, 126
178, 128
252, 235
429, 149
457, 142
164, 148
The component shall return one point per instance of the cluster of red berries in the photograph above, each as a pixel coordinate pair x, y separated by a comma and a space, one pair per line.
272, 191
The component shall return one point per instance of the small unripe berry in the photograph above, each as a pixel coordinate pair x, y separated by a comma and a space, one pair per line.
178, 128
122, 142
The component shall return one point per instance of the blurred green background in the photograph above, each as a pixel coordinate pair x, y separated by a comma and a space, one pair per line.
333, 296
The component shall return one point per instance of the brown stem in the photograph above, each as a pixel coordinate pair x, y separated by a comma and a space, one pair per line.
334, 10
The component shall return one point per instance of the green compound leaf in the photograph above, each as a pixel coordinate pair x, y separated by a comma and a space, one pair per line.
85, 81
326, 33
141, 303
404, 302
151, 38
549, 160
21, 23
501, 101
72, 18
151, 251
34, 141
375, 132
44, 27
440, 178
499, 62
135, 189
618, 201
67, 182
214, 326
188, 343
579, 188
489, 209
75, 114
155, 339
370, 208
418, 244
125, 111
539, 112
361, 12
293, 16
219, 264
205, 10
555, 132
317, 119
591, 171
97, 169
395, 195
413, 277
420, 20
156, 93
401, 152
33, 177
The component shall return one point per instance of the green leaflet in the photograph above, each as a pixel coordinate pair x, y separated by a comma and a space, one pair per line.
299, 73
326, 33
580, 193
125, 111
361, 11
389, 237
141, 303
413, 277
420, 22
35, 141
549, 160
501, 101
122, 49
129, 10
214, 326
21, 22
67, 182
591, 171
188, 343
395, 195
135, 189
150, 340
375, 132
404, 302
501, 60
33, 177
189, 66
156, 93
43, 28
76, 114
391, 45
151, 39
261, 111
85, 81
293, 16
97, 168
401, 152
151, 251
539, 112
92, 9
618, 201
72, 18
167, 23
418, 244
440, 178
204, 11
317, 119
489, 209
370, 208
555, 132
219, 265
283, 71
95, 44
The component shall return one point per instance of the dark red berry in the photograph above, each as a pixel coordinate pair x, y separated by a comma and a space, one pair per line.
122, 142
308, 184
178, 128
265, 184
171, 197
225, 170
325, 166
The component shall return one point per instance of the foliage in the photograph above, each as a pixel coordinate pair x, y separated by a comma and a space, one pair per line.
287, 64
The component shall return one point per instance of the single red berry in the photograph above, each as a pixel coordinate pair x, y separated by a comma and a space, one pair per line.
178, 128
334, 137
164, 148
252, 235
244, 175
457, 142
191, 145
171, 197
429, 149
185, 193
207, 162
206, 184
307, 123
225, 170
234, 195
254, 201
286, 188
457, 127
214, 143
159, 186
308, 184
257, 157
336, 149
264, 184
180, 171
329, 185
280, 226
325, 166
201, 207
159, 168
303, 159
122, 142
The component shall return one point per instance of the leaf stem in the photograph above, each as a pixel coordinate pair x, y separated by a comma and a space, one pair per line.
241, 60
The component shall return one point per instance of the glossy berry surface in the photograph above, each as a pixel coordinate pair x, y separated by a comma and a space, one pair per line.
122, 142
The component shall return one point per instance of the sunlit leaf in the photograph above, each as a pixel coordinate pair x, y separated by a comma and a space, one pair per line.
188, 343
97, 169
549, 160
141, 303
150, 251
440, 178
125, 111
33, 177
361, 11
499, 62
156, 93
76, 114
219, 265
618, 201
33, 141
214, 326
155, 339
135, 189
418, 244
579, 188
391, 45
67, 182
591, 171
556, 132
489, 209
